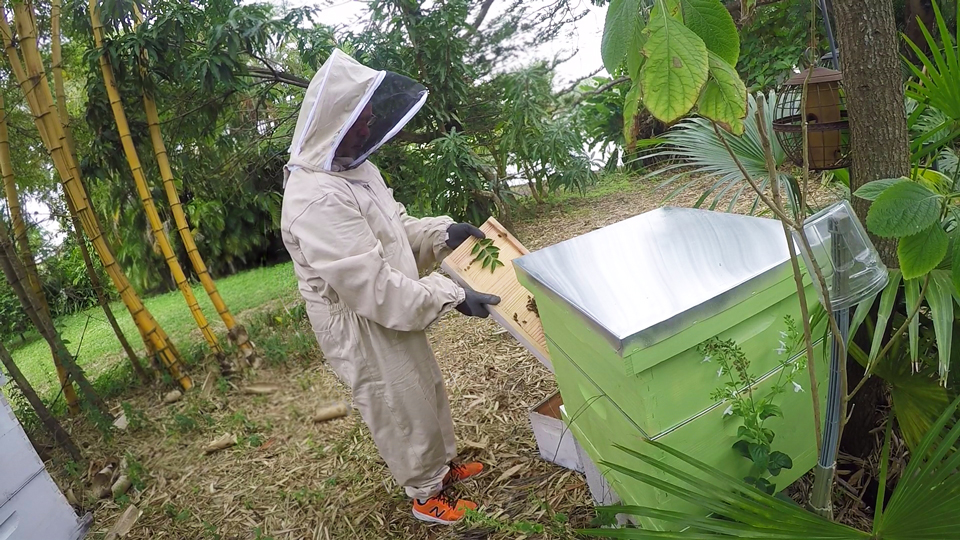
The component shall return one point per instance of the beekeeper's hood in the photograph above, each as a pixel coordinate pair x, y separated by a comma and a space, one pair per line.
335, 98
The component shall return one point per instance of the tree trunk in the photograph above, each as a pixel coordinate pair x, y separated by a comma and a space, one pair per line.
60, 435
879, 143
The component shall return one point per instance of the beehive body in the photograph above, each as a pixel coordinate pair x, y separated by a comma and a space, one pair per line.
658, 386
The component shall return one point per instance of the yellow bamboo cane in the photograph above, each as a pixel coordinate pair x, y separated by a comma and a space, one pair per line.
26, 254
236, 331
61, 96
32, 80
130, 150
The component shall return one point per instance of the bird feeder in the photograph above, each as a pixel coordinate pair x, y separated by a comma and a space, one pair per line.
825, 114
624, 309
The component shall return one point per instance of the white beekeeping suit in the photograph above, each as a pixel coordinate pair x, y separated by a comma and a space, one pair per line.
358, 256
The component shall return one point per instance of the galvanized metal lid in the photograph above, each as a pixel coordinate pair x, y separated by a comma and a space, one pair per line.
644, 279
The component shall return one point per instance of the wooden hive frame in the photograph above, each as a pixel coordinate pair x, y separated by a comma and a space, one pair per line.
517, 309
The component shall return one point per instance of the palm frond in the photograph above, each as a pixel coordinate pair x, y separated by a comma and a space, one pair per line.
693, 148
923, 505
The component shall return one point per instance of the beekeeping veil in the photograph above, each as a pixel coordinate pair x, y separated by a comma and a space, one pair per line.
337, 95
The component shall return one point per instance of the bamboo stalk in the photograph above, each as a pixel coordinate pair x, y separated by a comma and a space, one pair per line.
32, 80
235, 331
26, 254
15, 273
146, 198
60, 435
61, 95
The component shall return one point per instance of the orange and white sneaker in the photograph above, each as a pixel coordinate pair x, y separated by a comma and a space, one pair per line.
441, 509
461, 471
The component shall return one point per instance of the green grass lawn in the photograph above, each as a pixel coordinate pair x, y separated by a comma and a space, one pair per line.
90, 337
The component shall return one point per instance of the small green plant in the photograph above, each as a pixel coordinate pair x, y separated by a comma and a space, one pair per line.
223, 385
184, 424
258, 535
178, 516
136, 419
754, 439
487, 254
135, 472
210, 531
255, 440
74, 469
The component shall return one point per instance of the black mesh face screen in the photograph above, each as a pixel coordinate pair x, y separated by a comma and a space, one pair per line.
390, 103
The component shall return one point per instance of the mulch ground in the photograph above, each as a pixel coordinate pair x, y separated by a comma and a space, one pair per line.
291, 478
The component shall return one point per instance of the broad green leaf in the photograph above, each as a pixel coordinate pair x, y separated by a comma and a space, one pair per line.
936, 181
743, 448
631, 108
887, 299
675, 69
903, 209
760, 455
922, 252
710, 20
778, 461
940, 299
635, 51
911, 290
872, 190
724, 98
618, 32
956, 264
768, 410
860, 314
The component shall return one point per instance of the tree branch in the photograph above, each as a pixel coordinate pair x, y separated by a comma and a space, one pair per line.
279, 76
734, 8
475, 26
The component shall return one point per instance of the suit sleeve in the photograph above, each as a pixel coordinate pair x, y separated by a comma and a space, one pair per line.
427, 237
348, 257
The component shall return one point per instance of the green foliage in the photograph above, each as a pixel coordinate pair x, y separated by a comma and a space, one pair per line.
694, 150
136, 419
921, 506
903, 209
623, 22
936, 86
753, 439
135, 472
486, 253
675, 65
772, 42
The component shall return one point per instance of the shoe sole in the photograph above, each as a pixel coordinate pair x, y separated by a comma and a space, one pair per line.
431, 519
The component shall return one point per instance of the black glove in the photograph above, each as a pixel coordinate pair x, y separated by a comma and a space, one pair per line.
475, 304
459, 232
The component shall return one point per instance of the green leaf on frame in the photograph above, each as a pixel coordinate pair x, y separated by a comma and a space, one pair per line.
743, 448
903, 209
920, 253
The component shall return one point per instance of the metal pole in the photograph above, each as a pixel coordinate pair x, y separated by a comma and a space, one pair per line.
824, 8
820, 497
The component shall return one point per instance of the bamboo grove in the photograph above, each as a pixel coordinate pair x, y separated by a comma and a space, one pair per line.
47, 104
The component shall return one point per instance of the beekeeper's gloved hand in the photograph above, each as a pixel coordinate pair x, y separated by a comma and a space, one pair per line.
459, 232
475, 304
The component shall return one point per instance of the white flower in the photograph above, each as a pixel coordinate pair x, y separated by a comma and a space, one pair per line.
720, 372
783, 335
783, 348
797, 387
706, 359
728, 411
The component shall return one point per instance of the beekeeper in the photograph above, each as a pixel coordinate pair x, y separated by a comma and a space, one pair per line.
358, 257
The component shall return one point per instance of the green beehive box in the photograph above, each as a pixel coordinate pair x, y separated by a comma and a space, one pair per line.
624, 308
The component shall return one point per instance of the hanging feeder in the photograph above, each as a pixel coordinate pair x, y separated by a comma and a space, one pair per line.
826, 116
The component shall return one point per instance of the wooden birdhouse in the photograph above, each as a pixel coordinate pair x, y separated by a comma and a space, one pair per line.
825, 114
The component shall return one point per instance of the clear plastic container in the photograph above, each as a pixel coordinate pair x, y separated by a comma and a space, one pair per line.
848, 259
